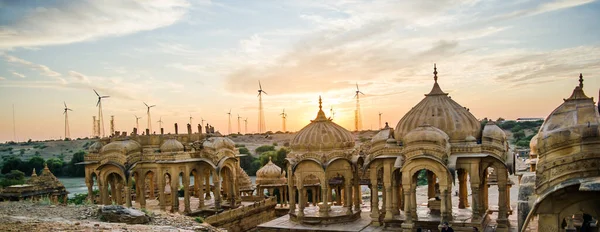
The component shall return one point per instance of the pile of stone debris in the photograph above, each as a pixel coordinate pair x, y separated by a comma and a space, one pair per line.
30, 216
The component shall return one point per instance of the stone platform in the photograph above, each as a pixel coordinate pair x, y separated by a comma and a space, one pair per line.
336, 214
284, 224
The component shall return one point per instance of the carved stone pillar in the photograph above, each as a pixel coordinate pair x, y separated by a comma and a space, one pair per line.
348, 199
217, 191
152, 188
395, 197
324, 206
413, 200
430, 185
374, 199
186, 193
90, 186
207, 185
292, 194
301, 201
408, 224
475, 197
128, 194
462, 189
357, 194
445, 205
161, 191
174, 192
118, 197
502, 209
141, 198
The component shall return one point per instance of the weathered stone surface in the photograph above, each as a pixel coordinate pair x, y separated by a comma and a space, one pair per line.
118, 213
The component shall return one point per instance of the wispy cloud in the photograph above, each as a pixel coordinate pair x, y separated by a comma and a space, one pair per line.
42, 69
18, 74
2, 78
87, 20
543, 8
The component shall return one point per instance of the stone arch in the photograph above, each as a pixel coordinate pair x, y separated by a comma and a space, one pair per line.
295, 166
418, 163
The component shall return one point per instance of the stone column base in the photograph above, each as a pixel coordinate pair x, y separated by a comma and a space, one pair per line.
408, 227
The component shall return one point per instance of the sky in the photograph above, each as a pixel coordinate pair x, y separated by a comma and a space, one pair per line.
203, 58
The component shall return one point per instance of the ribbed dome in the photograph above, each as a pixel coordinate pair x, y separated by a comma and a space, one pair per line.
322, 134
492, 131
171, 145
218, 143
124, 147
426, 133
438, 110
576, 118
270, 170
270, 174
95, 147
533, 144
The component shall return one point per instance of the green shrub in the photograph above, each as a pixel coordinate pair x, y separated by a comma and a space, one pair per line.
274, 144
264, 148
199, 219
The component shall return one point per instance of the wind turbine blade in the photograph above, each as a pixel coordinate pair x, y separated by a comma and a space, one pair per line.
357, 87
265, 92
65, 104
361, 93
146, 104
96, 92
152, 106
98, 102
259, 86
105, 96
69, 109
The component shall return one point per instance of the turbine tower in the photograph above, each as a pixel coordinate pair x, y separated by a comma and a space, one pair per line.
239, 128
149, 121
246, 126
67, 132
160, 122
202, 121
94, 126
100, 118
357, 116
261, 114
283, 117
229, 125
137, 124
380, 120
112, 124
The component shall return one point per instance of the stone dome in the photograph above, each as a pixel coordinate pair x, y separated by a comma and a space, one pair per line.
492, 131
533, 144
270, 174
171, 145
95, 147
576, 118
383, 135
322, 134
426, 133
218, 143
124, 147
439, 110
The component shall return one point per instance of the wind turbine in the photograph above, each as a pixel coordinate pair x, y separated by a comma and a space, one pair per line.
137, 124
357, 116
239, 130
229, 125
380, 120
202, 121
160, 122
246, 126
261, 114
67, 132
191, 119
100, 118
283, 117
149, 120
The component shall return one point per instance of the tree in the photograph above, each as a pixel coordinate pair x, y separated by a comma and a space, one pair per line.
77, 170
55, 165
264, 148
12, 178
518, 135
35, 162
12, 163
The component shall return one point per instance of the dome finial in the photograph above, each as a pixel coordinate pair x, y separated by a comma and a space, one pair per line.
270, 159
580, 80
435, 73
320, 103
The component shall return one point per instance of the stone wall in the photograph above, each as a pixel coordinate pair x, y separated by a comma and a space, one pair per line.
246, 217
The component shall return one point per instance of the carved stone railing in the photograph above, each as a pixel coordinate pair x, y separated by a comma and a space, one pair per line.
236, 214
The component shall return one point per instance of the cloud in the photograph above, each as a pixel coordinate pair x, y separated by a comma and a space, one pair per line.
2, 78
18, 74
42, 69
88, 20
543, 8
79, 76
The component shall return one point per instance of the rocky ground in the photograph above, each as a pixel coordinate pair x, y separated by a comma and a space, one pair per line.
28, 216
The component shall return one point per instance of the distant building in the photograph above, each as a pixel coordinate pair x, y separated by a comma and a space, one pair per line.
529, 119
46, 185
